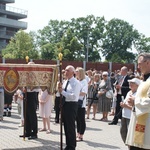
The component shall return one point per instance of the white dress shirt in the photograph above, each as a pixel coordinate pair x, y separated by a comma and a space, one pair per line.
73, 90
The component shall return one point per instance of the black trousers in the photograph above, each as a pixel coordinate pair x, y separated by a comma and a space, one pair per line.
137, 148
30, 114
81, 125
124, 128
69, 118
118, 109
8, 98
57, 109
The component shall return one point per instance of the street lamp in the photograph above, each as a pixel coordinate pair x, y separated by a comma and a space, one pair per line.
87, 47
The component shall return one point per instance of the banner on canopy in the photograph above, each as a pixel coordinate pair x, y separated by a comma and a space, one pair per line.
13, 76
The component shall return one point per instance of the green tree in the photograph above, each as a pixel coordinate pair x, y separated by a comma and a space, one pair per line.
119, 39
72, 49
87, 38
48, 51
86, 33
142, 44
20, 46
52, 33
89, 31
49, 38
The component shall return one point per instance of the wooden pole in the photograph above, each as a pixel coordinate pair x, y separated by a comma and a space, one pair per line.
61, 130
24, 111
25, 105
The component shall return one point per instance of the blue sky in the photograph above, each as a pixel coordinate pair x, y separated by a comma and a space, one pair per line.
136, 12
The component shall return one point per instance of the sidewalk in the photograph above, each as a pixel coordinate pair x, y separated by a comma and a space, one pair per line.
98, 136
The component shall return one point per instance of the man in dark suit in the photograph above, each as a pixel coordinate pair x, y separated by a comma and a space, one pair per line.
31, 125
122, 88
30, 107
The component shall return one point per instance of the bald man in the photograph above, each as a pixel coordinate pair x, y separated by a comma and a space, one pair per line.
70, 91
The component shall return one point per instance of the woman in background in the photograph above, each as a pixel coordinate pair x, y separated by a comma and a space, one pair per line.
127, 107
104, 104
45, 107
81, 125
92, 95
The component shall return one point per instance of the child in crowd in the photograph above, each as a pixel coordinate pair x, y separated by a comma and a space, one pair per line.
19, 99
45, 107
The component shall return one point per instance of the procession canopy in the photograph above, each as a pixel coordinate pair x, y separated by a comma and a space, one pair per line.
13, 76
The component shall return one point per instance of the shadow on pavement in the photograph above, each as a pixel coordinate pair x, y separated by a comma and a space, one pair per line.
45, 145
99, 145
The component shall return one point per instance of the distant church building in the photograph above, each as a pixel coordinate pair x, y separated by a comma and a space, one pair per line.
10, 21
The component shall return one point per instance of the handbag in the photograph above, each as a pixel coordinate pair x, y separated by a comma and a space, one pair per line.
109, 94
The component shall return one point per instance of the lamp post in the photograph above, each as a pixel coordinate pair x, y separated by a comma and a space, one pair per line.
60, 55
87, 47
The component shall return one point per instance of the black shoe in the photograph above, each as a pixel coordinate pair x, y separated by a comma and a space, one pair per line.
56, 121
23, 136
9, 114
32, 137
112, 123
4, 114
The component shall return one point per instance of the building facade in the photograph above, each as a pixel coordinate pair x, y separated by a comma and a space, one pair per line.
10, 21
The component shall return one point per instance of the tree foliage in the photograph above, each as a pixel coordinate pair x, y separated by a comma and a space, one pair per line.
84, 38
71, 47
119, 38
143, 44
89, 32
20, 46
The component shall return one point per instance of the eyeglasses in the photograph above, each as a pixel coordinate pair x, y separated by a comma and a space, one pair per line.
104, 75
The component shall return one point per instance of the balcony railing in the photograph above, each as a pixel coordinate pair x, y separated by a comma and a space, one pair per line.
13, 23
13, 9
7, 32
7, 1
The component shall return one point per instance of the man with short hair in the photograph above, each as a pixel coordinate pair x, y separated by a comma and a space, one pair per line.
139, 128
122, 88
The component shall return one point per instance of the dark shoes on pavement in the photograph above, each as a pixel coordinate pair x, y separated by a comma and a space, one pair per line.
8, 114
30, 137
4, 114
23, 136
112, 123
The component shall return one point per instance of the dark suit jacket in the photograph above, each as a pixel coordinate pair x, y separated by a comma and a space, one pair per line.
125, 86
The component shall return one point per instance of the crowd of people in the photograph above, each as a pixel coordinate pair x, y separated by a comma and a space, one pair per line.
82, 90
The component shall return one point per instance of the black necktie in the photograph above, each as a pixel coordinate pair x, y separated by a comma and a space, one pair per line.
66, 86
121, 80
63, 98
